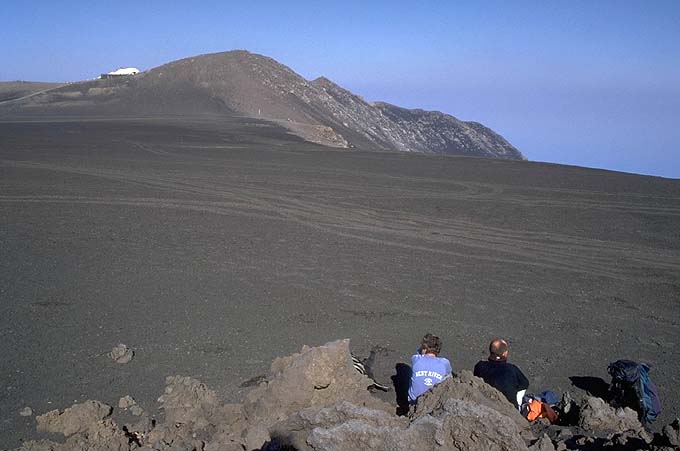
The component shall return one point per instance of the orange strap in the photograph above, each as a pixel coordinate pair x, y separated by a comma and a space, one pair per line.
538, 409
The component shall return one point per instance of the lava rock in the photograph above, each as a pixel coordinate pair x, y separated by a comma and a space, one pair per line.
126, 402
467, 387
78, 418
671, 433
600, 418
121, 354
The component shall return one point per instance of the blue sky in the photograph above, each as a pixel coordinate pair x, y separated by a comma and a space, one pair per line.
580, 82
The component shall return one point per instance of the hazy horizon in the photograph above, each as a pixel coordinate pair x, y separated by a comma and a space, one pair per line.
594, 85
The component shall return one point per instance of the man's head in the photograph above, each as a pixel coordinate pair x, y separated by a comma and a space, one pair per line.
498, 350
431, 344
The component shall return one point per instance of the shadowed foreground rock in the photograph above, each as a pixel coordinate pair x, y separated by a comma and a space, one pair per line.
468, 388
315, 400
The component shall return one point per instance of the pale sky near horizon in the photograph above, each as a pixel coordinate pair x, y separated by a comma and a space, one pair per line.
586, 83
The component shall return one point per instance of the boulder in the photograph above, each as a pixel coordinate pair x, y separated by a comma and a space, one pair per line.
78, 418
356, 434
101, 436
126, 402
456, 425
293, 431
314, 377
542, 444
671, 433
188, 401
598, 417
121, 354
467, 387
472, 425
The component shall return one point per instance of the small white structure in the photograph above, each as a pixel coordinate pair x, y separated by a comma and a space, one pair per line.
122, 72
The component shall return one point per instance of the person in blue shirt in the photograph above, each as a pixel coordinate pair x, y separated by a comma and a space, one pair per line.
427, 368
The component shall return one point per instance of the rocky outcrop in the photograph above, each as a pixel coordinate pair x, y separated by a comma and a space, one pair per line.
86, 426
315, 400
469, 388
600, 418
74, 419
313, 377
671, 433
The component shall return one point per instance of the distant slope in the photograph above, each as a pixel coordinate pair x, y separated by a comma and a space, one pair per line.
14, 90
243, 83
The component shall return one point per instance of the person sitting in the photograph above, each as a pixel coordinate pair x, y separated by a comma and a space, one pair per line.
502, 375
427, 368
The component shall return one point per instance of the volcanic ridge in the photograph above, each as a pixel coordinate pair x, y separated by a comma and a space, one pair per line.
246, 84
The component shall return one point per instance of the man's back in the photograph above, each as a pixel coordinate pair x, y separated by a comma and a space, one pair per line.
503, 376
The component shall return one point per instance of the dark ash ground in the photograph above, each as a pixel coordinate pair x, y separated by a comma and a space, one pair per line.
211, 246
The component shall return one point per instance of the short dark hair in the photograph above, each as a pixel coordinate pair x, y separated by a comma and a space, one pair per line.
497, 348
431, 343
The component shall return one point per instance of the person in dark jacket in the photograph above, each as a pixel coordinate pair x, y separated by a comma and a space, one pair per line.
503, 376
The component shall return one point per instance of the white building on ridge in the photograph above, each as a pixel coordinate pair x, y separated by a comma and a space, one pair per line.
121, 72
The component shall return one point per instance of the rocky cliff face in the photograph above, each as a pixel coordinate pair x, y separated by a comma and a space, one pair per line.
247, 84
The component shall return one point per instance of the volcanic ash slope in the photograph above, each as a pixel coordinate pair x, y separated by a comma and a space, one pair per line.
247, 84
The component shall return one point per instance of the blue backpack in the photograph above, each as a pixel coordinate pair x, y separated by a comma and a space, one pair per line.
632, 387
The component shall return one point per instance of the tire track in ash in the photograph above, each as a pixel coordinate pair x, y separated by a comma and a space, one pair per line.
479, 192
483, 192
576, 255
302, 213
562, 247
221, 208
559, 252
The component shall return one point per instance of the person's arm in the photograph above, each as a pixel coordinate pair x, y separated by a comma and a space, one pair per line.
449, 370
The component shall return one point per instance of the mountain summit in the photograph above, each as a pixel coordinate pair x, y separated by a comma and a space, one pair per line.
243, 83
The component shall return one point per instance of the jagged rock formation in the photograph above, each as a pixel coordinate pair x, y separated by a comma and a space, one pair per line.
314, 400
467, 387
243, 83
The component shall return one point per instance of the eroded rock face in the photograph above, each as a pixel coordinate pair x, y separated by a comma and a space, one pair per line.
295, 430
456, 425
102, 435
121, 354
78, 418
599, 417
188, 401
542, 444
467, 387
469, 425
671, 433
319, 376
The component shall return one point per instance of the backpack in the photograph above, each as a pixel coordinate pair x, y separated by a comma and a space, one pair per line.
632, 387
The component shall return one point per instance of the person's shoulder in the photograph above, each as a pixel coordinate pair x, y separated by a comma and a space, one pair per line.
479, 367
